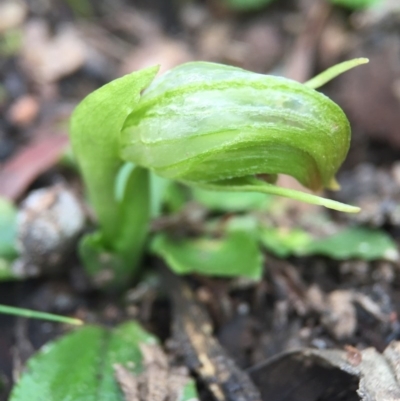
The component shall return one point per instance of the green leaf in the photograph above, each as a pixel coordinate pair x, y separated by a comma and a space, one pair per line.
8, 229
175, 196
356, 4
237, 254
350, 243
284, 242
8, 238
355, 243
79, 366
246, 223
222, 201
6, 272
247, 5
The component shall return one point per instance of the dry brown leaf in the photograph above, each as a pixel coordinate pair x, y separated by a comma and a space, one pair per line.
349, 374
47, 59
339, 316
167, 53
21, 170
158, 382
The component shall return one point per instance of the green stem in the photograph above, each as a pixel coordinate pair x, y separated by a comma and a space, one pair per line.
95, 130
333, 72
11, 310
134, 216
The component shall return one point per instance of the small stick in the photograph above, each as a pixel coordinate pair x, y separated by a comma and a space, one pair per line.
192, 329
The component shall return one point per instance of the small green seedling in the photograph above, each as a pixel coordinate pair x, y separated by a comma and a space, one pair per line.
206, 125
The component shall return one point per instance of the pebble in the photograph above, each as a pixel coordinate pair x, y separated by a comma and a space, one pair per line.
48, 223
23, 111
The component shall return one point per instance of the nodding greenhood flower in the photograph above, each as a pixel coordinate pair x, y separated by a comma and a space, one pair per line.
201, 123
221, 127
206, 125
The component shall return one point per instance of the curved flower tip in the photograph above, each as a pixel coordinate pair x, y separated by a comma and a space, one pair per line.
333, 185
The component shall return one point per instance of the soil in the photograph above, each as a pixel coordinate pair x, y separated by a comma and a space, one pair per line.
53, 53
